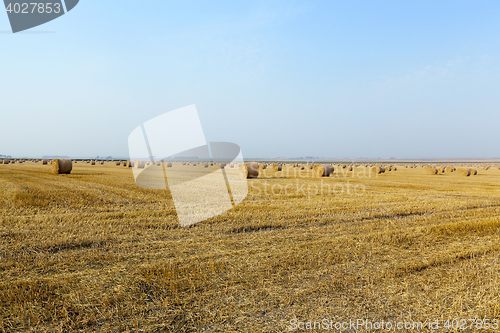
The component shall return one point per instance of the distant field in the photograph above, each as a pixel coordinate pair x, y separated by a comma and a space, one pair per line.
91, 251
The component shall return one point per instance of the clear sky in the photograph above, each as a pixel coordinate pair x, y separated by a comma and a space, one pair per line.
409, 79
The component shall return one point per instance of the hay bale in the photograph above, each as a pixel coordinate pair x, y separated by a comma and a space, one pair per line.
6, 162
322, 170
139, 164
118, 163
377, 170
249, 170
92, 162
432, 170
463, 172
473, 172
449, 169
277, 167
61, 167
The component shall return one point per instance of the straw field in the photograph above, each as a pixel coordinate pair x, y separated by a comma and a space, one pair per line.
90, 251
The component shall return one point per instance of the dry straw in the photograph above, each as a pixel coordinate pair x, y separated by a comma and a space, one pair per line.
322, 170
473, 172
377, 169
139, 164
61, 167
432, 170
249, 170
463, 172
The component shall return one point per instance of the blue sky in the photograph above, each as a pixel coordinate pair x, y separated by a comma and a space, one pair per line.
409, 79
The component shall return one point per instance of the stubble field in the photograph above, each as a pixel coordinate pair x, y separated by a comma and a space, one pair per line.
91, 251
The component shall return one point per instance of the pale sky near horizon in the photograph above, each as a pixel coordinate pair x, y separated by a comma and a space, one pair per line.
408, 79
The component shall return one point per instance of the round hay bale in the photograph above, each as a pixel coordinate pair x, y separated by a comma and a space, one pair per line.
473, 172
117, 163
377, 170
92, 162
139, 164
277, 167
463, 172
249, 170
322, 170
6, 162
432, 170
61, 167
449, 169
